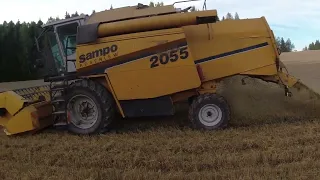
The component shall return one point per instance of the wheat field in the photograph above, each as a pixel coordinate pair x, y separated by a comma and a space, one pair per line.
270, 136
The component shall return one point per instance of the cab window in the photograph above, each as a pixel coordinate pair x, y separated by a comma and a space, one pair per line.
69, 32
55, 51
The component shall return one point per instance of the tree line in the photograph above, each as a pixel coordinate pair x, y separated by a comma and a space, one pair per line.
18, 51
285, 45
229, 16
313, 46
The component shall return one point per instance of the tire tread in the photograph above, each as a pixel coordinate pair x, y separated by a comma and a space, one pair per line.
106, 99
192, 114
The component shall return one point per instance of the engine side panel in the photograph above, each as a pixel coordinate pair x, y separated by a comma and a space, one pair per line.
155, 74
142, 65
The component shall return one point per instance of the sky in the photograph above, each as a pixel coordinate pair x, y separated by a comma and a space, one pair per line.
298, 20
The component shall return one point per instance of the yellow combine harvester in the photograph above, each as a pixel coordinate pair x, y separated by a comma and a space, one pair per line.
138, 61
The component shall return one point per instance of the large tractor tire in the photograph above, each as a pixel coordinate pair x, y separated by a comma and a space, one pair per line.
209, 112
91, 108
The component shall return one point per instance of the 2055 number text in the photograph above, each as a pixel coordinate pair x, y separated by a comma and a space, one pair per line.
171, 56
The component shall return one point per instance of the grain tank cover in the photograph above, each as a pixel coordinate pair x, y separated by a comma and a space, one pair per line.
129, 13
91, 32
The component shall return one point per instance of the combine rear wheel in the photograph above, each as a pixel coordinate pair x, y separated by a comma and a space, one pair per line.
90, 107
209, 112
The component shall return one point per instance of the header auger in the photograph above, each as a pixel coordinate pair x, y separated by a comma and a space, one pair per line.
140, 61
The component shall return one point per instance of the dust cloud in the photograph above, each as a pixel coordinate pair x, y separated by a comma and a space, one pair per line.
262, 102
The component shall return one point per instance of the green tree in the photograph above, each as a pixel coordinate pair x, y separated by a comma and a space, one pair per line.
313, 46
67, 15
229, 16
236, 16
18, 52
75, 14
278, 41
317, 45
285, 45
51, 19
159, 4
152, 4
305, 48
289, 45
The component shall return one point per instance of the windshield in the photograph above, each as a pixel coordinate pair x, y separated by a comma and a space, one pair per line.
64, 32
55, 51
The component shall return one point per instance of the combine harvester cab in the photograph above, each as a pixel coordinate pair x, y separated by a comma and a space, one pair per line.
138, 61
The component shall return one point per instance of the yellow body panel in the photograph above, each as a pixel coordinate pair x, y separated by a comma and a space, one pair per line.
152, 23
120, 48
128, 12
130, 69
20, 117
232, 47
235, 64
219, 50
283, 78
11, 101
21, 122
106, 82
266, 70
146, 77
152, 83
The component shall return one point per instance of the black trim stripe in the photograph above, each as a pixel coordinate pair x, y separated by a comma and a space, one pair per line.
144, 55
231, 53
101, 70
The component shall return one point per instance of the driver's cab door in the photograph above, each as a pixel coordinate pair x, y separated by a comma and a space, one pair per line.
66, 33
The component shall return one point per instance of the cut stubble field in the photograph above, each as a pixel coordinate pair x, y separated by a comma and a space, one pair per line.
270, 137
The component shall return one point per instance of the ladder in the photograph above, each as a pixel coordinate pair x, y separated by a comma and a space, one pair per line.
59, 90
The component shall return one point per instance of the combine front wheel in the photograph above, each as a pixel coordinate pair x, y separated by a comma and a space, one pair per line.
209, 112
90, 107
